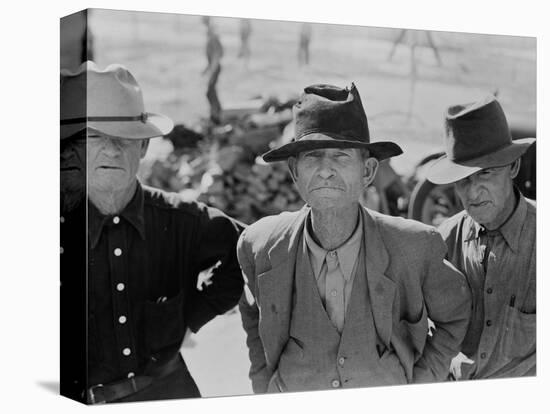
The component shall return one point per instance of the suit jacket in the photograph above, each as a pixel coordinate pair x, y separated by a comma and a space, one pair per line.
408, 281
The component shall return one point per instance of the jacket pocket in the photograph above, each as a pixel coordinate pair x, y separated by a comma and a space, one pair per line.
164, 323
519, 333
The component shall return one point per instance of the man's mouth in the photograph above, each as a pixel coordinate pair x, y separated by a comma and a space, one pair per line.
70, 168
327, 187
109, 167
480, 204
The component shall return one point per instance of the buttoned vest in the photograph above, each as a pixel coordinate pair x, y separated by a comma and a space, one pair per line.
316, 356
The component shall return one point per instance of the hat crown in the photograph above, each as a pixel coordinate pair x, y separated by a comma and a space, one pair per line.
475, 130
92, 92
332, 111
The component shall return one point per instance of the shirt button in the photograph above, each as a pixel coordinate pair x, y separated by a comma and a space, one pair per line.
335, 383
126, 351
489, 322
332, 254
131, 374
333, 293
120, 287
122, 319
483, 355
62, 219
116, 219
489, 291
61, 250
341, 361
118, 252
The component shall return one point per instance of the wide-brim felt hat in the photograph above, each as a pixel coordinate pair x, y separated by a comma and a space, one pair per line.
327, 116
477, 136
109, 101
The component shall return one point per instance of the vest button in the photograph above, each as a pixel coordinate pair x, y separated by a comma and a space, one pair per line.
335, 383
341, 361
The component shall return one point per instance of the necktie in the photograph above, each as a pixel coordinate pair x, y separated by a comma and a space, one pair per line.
335, 291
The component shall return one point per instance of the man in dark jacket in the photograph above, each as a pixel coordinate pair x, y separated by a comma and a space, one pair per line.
145, 249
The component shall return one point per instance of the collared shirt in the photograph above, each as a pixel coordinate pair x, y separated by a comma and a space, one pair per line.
334, 272
143, 266
500, 268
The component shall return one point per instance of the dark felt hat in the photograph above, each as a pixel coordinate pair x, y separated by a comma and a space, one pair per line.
338, 115
477, 136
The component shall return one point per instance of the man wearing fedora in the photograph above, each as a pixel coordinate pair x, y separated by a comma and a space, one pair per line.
492, 241
339, 296
145, 250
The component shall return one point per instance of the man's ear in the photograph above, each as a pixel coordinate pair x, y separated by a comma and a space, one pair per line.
144, 146
291, 162
515, 168
371, 166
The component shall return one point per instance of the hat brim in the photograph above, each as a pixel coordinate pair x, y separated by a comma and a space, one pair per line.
445, 171
379, 150
156, 126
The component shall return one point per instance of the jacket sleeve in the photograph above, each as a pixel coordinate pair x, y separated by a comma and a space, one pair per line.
448, 302
259, 373
217, 237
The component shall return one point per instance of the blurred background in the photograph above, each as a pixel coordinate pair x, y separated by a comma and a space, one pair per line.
406, 79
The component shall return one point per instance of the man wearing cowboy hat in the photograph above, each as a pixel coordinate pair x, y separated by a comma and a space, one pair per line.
145, 249
337, 295
492, 241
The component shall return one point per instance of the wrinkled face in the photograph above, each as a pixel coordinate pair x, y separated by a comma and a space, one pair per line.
332, 177
488, 195
73, 171
113, 162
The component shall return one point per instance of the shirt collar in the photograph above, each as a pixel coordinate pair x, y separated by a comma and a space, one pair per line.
133, 213
347, 253
510, 230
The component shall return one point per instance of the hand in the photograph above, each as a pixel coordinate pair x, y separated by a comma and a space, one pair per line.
456, 365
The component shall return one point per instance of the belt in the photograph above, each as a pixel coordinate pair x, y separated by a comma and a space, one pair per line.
104, 393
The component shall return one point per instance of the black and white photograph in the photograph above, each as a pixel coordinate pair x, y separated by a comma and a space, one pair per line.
292, 210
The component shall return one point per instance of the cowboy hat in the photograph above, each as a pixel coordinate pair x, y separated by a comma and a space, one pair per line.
108, 101
327, 116
477, 136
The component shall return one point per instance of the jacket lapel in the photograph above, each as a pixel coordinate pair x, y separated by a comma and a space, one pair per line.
275, 288
381, 288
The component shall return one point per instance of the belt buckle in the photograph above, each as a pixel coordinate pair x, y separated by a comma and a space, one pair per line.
92, 396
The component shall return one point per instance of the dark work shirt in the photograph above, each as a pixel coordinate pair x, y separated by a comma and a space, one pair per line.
500, 267
143, 267
73, 303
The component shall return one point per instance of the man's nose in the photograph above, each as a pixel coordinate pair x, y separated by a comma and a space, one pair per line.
111, 147
326, 169
472, 189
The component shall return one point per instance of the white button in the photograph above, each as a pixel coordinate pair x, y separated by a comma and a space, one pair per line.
120, 287
126, 351
118, 252
335, 384
131, 374
332, 253
116, 219
122, 319
62, 219
61, 250
341, 361
333, 293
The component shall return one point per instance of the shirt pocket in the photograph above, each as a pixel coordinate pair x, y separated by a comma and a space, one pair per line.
164, 323
519, 333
